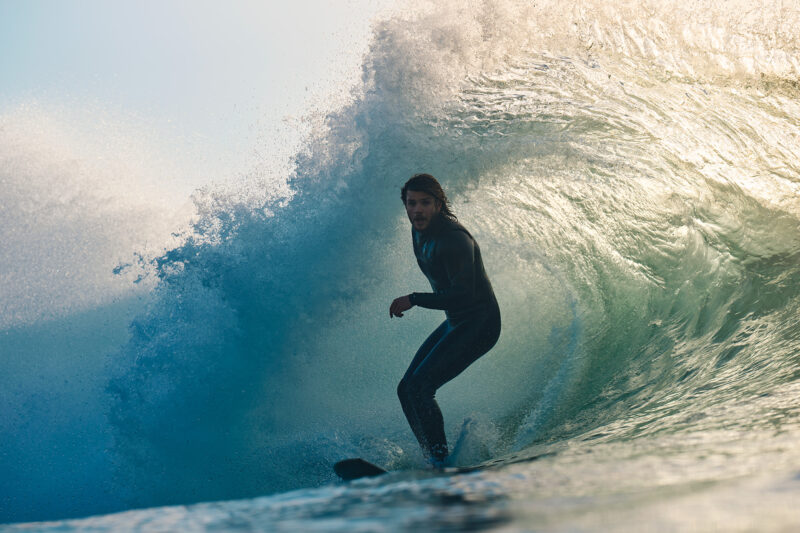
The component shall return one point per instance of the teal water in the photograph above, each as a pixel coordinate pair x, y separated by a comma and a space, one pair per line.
632, 177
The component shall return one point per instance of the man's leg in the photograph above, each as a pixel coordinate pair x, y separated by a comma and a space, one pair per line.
406, 393
457, 348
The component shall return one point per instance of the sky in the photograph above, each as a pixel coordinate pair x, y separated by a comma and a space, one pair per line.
212, 83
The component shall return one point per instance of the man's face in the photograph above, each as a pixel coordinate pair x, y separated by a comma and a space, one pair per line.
421, 208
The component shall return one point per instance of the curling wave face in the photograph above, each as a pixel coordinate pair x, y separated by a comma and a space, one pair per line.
639, 214
631, 174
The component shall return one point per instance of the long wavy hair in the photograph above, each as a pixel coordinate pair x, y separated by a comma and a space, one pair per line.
428, 184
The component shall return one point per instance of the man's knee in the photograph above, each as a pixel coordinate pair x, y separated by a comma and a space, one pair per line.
402, 389
413, 387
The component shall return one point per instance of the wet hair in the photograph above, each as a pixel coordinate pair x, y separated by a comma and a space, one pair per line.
428, 184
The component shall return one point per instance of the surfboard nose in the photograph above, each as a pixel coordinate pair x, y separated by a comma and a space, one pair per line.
356, 468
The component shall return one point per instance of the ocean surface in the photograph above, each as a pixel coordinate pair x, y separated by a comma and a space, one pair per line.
632, 174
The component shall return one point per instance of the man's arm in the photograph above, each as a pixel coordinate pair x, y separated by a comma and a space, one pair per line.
458, 254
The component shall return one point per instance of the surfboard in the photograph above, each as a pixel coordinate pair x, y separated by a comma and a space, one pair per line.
356, 468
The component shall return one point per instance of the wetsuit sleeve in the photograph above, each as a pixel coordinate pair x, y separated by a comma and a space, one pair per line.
458, 255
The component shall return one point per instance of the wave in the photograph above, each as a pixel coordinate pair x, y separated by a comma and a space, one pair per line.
631, 174
628, 220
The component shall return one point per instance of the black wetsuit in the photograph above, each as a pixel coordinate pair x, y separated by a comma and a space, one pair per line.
451, 260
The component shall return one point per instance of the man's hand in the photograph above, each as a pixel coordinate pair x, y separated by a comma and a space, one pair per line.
399, 305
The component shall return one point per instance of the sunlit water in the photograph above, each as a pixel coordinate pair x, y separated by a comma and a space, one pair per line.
632, 177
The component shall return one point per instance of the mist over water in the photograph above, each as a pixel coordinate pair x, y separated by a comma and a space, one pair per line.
630, 173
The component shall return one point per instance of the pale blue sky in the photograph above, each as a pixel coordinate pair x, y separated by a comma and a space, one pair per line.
222, 74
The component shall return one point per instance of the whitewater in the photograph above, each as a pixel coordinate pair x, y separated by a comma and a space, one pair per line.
632, 174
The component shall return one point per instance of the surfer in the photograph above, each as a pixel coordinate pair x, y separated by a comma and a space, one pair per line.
451, 260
